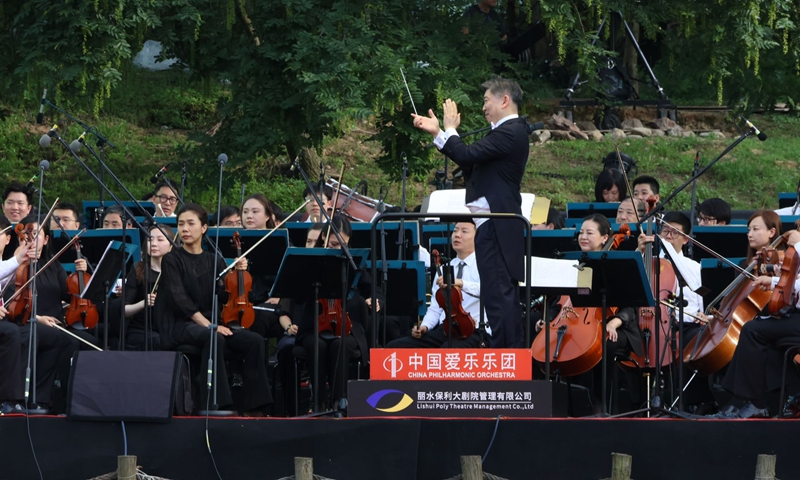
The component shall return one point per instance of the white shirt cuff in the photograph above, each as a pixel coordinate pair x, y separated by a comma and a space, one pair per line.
443, 136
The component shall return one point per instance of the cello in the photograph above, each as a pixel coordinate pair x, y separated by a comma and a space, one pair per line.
576, 334
81, 312
713, 346
460, 322
667, 285
238, 312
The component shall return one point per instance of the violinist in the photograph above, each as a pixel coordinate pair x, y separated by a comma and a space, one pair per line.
51, 284
16, 202
429, 333
257, 214
67, 214
137, 336
11, 385
54, 347
228, 217
755, 369
183, 313
330, 368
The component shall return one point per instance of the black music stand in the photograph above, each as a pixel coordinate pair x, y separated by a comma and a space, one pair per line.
94, 244
106, 274
361, 239
728, 240
308, 274
265, 259
618, 278
581, 210
717, 275
552, 243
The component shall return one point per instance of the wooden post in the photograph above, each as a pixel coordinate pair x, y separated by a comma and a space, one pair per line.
126, 467
621, 466
471, 468
303, 468
765, 467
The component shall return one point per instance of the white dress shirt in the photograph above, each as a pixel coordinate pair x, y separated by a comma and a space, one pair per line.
480, 205
470, 294
7, 270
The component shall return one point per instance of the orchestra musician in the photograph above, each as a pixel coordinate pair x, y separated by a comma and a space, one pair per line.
165, 200
626, 212
714, 211
331, 388
610, 186
228, 216
555, 221
763, 227
794, 209
755, 368
112, 218
16, 202
312, 207
67, 215
54, 348
429, 333
494, 166
183, 313
644, 187
138, 336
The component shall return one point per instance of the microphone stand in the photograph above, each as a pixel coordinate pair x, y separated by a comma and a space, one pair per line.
212, 408
33, 336
693, 210
659, 207
352, 264
185, 181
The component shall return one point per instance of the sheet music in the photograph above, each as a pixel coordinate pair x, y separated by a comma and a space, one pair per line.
453, 202
558, 273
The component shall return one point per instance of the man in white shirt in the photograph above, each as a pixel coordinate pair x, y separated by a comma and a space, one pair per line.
430, 333
794, 209
165, 200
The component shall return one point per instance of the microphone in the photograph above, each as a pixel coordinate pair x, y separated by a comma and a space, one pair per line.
47, 138
222, 159
761, 135
154, 178
44, 165
322, 178
40, 115
76, 145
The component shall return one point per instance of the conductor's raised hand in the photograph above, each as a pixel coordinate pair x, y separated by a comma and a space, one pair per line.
452, 119
429, 124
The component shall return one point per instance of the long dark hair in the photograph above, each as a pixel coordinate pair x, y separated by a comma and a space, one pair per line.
139, 267
267, 208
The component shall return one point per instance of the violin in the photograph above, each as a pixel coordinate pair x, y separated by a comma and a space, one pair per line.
782, 299
330, 317
20, 308
576, 333
81, 312
460, 321
647, 315
238, 312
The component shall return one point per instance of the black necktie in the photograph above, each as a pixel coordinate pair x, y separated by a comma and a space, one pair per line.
460, 271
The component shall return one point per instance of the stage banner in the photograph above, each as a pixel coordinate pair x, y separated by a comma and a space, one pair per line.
377, 398
450, 364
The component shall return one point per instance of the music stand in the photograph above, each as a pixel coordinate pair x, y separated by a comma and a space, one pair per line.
618, 278
584, 209
728, 240
265, 259
361, 239
106, 273
94, 244
93, 211
552, 243
308, 274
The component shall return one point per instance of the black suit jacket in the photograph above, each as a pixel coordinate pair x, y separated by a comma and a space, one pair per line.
494, 166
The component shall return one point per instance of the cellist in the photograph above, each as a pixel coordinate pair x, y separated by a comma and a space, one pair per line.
429, 333
755, 368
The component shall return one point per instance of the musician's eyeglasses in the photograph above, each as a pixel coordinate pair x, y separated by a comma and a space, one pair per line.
702, 219
167, 200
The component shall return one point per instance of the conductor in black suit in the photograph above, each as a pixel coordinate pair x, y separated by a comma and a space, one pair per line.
494, 166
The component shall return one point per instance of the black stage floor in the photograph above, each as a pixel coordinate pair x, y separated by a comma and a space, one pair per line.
401, 448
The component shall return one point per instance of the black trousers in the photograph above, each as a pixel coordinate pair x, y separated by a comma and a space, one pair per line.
330, 363
11, 385
139, 340
435, 338
54, 354
499, 291
246, 344
756, 365
267, 324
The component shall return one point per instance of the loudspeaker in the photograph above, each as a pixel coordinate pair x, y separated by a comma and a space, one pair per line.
113, 386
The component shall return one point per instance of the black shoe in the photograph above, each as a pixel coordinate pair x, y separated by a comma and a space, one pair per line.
235, 381
7, 408
791, 409
726, 411
747, 411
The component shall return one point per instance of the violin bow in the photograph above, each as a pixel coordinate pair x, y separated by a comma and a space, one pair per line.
79, 338
627, 184
49, 262
155, 285
335, 200
244, 255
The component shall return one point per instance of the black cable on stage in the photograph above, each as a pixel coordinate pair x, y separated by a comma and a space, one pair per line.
30, 440
208, 440
124, 439
491, 442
